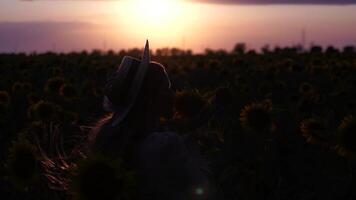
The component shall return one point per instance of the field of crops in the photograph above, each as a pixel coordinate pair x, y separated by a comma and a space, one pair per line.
278, 124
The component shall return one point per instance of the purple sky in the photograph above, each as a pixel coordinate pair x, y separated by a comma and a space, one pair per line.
66, 25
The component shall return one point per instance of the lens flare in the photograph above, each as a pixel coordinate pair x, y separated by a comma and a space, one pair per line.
199, 191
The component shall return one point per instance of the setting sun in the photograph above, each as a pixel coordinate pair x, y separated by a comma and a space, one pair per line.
162, 21
155, 12
178, 99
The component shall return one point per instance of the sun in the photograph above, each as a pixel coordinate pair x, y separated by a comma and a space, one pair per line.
156, 13
163, 22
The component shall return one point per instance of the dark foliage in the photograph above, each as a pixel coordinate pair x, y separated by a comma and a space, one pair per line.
272, 125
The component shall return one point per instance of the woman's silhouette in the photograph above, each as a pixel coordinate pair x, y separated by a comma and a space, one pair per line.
139, 95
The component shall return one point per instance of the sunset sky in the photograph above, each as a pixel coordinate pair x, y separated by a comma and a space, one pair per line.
74, 25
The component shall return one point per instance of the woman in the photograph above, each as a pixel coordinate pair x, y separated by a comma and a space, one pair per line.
139, 95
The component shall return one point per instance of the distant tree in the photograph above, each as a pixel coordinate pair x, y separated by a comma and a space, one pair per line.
163, 52
96, 53
265, 49
135, 52
189, 52
349, 50
240, 48
330, 50
176, 52
158, 52
316, 49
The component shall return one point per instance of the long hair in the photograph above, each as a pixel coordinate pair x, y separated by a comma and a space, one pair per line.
113, 141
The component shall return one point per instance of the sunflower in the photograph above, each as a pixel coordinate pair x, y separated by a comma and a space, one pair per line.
33, 98
42, 110
53, 85
223, 97
67, 91
257, 117
55, 72
27, 87
22, 164
288, 64
4, 97
17, 88
188, 104
36, 129
315, 131
99, 177
98, 92
264, 89
3, 109
306, 89
347, 137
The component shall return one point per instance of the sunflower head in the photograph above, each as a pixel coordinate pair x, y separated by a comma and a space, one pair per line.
288, 64
223, 96
257, 117
22, 164
315, 131
264, 89
53, 85
17, 88
98, 92
99, 177
67, 91
3, 110
36, 128
42, 110
306, 89
55, 72
4, 97
346, 137
318, 66
27, 87
214, 65
188, 104
33, 98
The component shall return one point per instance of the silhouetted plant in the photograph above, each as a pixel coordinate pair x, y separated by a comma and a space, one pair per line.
99, 177
188, 104
4, 98
17, 88
257, 117
3, 112
33, 98
302, 86
4, 107
315, 131
55, 72
53, 85
347, 137
67, 91
22, 164
306, 89
27, 87
42, 110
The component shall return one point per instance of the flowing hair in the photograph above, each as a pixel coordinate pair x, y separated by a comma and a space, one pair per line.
113, 141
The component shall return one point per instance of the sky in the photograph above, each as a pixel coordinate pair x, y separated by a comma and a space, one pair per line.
335, 2
75, 25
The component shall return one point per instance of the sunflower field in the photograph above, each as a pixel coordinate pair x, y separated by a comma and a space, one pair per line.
276, 124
